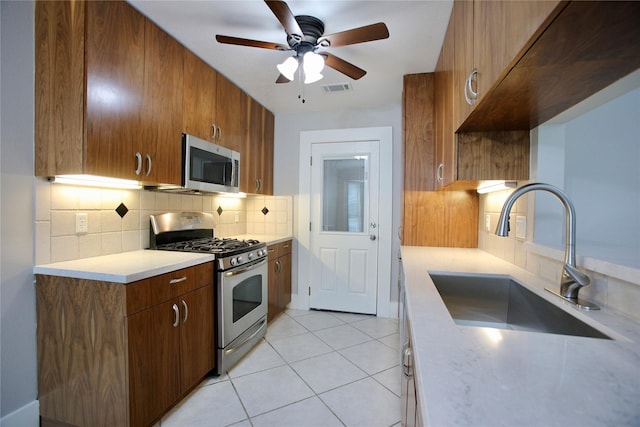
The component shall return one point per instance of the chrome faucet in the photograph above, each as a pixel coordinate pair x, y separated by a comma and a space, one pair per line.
572, 279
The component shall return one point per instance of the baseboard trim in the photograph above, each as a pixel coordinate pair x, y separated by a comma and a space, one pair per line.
27, 416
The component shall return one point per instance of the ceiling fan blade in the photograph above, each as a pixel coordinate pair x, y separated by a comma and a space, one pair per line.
282, 79
250, 43
286, 18
357, 35
343, 66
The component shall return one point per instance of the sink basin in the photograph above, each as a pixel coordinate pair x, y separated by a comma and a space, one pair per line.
501, 302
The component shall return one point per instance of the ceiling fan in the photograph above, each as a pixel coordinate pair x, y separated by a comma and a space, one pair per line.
305, 36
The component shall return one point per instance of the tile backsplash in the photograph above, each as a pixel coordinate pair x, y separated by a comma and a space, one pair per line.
612, 286
56, 206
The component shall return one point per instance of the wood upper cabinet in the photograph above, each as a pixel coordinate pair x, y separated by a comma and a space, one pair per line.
199, 97
115, 354
161, 136
431, 218
115, 76
445, 143
257, 163
108, 95
231, 115
490, 36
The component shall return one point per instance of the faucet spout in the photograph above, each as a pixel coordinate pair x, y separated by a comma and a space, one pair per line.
572, 279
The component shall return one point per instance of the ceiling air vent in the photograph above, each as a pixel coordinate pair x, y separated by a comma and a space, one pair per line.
341, 87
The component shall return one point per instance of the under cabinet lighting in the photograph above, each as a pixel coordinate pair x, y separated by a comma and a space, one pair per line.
96, 181
490, 186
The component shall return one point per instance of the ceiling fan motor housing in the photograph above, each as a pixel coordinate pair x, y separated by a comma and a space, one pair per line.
312, 29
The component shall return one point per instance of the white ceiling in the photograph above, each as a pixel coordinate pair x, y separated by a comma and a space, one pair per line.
416, 31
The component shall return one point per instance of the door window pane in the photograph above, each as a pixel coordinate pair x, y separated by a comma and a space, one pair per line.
343, 194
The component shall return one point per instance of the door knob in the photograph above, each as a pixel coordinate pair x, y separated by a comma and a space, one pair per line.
372, 237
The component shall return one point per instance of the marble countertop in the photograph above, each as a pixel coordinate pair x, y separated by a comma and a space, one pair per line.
471, 376
124, 267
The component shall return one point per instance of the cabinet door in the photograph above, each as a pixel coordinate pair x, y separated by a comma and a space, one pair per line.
502, 30
463, 21
154, 362
115, 53
196, 336
231, 114
285, 280
199, 97
268, 129
162, 112
251, 164
445, 150
274, 292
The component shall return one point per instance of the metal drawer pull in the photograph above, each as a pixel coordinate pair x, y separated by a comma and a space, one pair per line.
406, 363
176, 315
186, 312
178, 280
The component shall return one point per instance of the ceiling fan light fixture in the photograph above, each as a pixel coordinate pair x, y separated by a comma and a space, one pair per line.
312, 64
288, 67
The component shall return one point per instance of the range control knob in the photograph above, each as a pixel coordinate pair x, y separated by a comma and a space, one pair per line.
240, 259
250, 255
234, 261
260, 252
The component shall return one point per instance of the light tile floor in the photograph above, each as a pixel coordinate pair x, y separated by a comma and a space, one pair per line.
313, 368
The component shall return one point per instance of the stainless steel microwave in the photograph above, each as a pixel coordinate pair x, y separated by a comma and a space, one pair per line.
209, 167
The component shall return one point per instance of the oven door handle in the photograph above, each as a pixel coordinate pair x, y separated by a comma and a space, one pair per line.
235, 348
244, 270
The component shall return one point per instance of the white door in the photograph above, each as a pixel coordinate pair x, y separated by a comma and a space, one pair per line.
344, 226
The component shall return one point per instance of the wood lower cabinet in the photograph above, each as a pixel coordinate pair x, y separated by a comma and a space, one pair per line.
122, 354
279, 278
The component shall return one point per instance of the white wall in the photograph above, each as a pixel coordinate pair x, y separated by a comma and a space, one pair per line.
595, 158
18, 388
287, 151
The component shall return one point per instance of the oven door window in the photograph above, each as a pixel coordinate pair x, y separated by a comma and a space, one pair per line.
247, 295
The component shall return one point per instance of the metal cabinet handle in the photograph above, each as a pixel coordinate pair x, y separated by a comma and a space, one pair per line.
176, 315
149, 165
439, 174
278, 267
186, 311
219, 134
214, 128
469, 94
177, 280
138, 163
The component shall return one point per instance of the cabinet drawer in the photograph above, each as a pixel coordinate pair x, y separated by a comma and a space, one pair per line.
273, 251
158, 289
284, 248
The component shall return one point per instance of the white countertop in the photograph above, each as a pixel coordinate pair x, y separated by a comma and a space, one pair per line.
470, 376
269, 239
124, 267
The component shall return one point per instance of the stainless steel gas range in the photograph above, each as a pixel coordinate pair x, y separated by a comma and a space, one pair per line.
240, 279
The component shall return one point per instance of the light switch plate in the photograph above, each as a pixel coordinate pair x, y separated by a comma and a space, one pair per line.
521, 227
82, 223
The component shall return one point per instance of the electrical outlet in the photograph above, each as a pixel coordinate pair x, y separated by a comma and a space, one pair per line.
82, 223
487, 222
521, 227
237, 217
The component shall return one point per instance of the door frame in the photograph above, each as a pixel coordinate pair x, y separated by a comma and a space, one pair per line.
385, 216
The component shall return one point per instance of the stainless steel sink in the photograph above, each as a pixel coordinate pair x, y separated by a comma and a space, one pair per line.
500, 302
